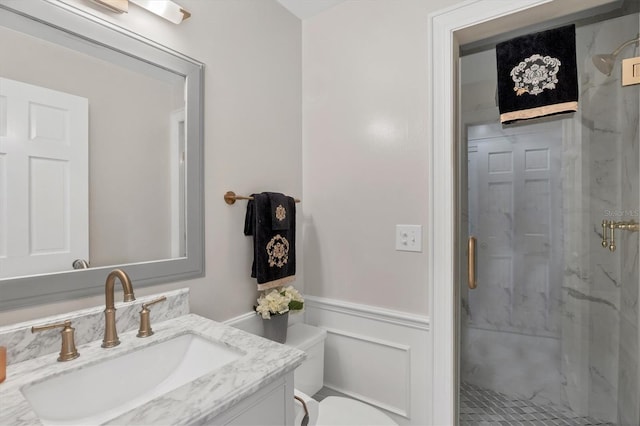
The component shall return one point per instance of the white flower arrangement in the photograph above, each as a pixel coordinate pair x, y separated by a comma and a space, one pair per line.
279, 301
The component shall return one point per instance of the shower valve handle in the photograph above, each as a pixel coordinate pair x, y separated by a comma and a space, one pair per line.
612, 237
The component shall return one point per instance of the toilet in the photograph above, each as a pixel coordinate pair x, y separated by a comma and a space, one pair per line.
309, 379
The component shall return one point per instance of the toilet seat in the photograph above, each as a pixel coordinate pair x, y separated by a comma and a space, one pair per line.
349, 412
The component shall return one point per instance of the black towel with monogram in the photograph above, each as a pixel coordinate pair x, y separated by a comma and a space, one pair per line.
271, 220
537, 75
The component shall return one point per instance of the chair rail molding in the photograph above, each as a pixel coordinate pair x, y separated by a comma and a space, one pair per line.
405, 319
447, 29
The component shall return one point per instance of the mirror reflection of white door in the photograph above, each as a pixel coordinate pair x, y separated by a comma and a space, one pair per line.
515, 211
44, 197
178, 202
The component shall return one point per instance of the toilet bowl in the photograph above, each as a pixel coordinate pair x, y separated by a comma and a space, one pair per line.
308, 377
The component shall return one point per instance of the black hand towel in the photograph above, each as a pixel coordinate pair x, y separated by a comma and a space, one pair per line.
537, 75
280, 211
274, 250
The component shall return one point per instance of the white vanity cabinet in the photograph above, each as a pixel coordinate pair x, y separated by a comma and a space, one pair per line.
271, 406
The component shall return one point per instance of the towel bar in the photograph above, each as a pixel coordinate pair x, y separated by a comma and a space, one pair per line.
230, 197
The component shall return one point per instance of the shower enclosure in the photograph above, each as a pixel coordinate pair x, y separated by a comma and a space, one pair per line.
551, 332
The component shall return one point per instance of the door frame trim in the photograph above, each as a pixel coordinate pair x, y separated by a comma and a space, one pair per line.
449, 28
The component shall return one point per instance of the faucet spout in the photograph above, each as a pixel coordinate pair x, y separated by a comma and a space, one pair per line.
110, 333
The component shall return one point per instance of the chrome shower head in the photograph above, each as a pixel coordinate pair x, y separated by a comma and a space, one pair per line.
604, 62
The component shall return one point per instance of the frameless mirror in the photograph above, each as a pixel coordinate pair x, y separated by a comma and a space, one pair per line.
100, 156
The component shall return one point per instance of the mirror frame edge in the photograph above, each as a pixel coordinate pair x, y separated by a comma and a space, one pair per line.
28, 291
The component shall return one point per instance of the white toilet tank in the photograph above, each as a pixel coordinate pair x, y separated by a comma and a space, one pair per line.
309, 376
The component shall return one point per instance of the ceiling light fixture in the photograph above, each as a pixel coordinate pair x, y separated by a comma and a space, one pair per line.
164, 8
117, 6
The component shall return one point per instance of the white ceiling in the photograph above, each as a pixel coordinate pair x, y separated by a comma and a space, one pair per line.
304, 9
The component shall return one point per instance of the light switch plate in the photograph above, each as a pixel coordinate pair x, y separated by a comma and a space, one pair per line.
409, 238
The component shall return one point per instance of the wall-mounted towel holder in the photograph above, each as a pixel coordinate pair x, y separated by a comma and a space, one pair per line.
230, 197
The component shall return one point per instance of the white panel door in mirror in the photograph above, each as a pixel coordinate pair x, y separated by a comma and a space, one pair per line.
45, 180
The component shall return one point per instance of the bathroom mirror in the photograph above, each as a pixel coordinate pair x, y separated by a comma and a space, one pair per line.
143, 175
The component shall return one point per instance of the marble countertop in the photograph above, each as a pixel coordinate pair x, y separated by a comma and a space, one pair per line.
204, 398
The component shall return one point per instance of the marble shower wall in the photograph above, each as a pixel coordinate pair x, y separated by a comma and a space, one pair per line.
605, 299
629, 355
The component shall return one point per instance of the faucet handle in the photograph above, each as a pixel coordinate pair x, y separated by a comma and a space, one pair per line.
68, 350
145, 321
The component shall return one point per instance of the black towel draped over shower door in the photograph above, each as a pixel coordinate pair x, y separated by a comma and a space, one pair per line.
537, 75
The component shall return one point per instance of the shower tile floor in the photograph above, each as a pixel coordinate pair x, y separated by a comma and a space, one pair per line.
483, 407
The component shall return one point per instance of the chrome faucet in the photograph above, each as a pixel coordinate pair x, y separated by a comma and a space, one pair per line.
110, 333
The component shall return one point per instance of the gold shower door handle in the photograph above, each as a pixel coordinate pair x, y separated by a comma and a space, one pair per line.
471, 263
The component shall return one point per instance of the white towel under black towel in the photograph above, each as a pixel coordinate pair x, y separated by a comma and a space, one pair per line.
537, 75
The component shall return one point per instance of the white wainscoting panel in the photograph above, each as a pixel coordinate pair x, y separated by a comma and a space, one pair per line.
376, 355
372, 354
368, 368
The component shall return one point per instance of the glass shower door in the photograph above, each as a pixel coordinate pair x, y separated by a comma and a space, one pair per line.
550, 334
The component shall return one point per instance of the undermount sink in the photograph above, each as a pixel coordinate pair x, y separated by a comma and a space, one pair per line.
102, 391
